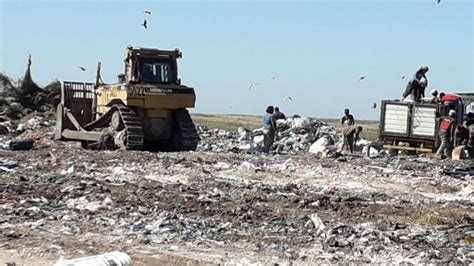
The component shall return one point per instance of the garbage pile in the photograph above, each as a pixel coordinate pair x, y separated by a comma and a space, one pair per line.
22, 99
295, 134
27, 113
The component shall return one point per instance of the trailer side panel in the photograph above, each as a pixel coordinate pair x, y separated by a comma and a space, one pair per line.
396, 117
424, 121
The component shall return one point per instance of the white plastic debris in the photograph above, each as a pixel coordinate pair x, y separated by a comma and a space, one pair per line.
247, 167
319, 146
114, 258
258, 139
5, 146
301, 123
372, 152
69, 171
21, 128
318, 223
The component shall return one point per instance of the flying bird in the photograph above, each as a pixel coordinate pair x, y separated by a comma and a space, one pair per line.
252, 85
147, 12
374, 105
362, 78
274, 77
403, 77
144, 24
82, 68
289, 98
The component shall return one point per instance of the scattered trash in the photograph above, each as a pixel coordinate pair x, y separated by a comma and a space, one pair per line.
318, 223
294, 135
21, 145
114, 258
399, 210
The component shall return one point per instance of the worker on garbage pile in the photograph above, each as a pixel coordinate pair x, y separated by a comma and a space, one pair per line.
415, 89
468, 118
446, 134
461, 136
450, 99
351, 135
269, 129
469, 124
277, 115
347, 120
433, 98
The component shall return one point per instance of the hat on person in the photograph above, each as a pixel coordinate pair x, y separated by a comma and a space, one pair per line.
452, 113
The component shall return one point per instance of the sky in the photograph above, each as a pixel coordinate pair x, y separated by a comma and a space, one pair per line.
317, 49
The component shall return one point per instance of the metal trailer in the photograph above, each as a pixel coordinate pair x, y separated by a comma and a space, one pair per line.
468, 100
412, 126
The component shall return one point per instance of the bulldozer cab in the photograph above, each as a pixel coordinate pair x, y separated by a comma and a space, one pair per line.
151, 66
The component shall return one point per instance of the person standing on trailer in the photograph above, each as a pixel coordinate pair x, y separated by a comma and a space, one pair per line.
415, 89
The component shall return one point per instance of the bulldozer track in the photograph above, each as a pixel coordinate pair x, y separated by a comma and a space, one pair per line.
131, 122
133, 127
187, 129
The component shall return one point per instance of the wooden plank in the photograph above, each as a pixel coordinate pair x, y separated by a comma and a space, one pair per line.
395, 147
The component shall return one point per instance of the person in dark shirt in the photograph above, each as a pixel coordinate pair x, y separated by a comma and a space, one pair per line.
351, 134
415, 89
269, 128
461, 136
347, 120
278, 115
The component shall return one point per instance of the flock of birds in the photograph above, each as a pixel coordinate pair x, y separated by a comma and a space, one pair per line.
274, 77
145, 21
144, 25
252, 84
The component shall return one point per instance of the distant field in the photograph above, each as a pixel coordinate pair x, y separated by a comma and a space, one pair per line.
228, 122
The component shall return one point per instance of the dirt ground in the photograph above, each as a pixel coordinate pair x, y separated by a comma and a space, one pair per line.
201, 208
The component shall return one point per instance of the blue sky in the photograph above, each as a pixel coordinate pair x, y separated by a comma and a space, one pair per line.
318, 49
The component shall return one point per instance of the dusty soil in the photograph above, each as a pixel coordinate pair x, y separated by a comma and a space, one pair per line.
208, 208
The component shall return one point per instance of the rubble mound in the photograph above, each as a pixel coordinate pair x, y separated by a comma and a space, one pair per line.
22, 97
295, 134
24, 104
237, 209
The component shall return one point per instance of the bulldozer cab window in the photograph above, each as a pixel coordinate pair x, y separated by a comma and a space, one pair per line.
155, 71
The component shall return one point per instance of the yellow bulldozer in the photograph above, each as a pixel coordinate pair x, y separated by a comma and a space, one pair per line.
144, 110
